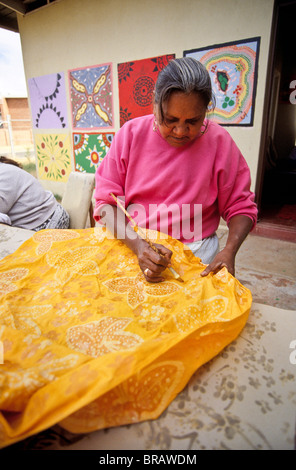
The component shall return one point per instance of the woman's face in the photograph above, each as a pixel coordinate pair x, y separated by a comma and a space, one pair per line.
183, 117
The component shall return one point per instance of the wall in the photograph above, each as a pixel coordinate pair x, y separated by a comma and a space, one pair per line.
75, 33
18, 109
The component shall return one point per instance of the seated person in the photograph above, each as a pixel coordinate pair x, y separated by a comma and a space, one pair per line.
177, 157
24, 203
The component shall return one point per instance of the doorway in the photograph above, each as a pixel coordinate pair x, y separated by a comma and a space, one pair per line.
276, 181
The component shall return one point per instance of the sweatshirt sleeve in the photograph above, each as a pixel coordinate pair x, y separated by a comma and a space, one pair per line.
111, 174
234, 181
8, 180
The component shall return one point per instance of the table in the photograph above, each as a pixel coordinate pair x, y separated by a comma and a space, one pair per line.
245, 398
11, 238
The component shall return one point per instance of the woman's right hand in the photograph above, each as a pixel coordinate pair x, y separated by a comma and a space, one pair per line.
152, 263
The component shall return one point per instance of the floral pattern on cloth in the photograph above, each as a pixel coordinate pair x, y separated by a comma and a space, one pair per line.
7, 279
90, 344
102, 337
137, 288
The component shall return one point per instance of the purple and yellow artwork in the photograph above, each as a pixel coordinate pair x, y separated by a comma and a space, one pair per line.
48, 101
90, 149
91, 97
53, 156
233, 70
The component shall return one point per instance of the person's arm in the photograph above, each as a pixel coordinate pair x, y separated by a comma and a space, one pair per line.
239, 227
116, 222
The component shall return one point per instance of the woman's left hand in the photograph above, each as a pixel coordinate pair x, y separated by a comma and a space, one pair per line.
224, 259
239, 227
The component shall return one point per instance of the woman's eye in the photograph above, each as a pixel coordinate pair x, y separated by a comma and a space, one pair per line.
172, 121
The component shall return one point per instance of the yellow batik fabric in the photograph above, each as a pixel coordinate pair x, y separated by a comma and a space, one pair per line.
89, 344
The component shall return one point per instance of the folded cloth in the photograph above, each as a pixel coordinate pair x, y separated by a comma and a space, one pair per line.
88, 343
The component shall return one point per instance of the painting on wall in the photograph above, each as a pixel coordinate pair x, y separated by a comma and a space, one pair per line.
90, 149
136, 81
53, 156
48, 101
233, 68
91, 97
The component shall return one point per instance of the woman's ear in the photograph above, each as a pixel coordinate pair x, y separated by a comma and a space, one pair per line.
156, 112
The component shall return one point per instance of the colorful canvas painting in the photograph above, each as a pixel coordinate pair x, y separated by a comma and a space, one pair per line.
136, 81
233, 70
90, 149
53, 156
48, 101
91, 97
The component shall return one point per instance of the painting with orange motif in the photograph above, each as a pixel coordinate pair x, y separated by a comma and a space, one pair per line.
90, 149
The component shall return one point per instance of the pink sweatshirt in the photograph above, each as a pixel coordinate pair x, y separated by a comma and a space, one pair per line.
165, 187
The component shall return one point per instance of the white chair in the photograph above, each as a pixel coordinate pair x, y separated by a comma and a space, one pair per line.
77, 199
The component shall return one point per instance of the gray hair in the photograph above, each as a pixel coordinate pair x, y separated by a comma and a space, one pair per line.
187, 75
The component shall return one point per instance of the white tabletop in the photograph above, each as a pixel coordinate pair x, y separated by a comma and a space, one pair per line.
11, 238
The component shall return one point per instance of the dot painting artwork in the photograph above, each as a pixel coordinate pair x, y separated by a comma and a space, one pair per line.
136, 84
90, 149
53, 156
233, 71
48, 101
91, 97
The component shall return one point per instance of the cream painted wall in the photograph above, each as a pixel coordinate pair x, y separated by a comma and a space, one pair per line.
78, 33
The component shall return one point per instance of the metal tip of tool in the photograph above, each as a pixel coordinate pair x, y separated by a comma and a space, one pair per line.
176, 275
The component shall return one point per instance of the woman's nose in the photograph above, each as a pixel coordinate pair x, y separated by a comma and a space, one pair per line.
180, 129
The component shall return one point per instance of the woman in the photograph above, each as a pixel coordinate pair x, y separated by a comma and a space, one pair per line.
24, 203
178, 159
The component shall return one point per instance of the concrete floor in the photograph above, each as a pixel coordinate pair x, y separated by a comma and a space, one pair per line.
268, 268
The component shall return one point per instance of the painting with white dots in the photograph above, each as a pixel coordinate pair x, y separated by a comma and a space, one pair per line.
90, 149
91, 97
